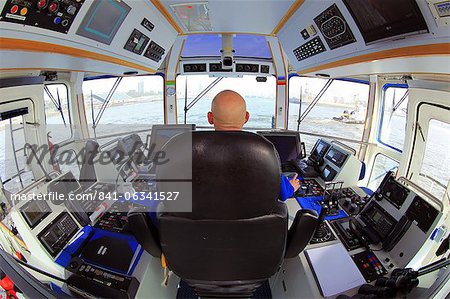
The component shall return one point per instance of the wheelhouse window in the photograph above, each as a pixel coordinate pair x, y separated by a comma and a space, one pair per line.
393, 116
57, 112
13, 171
340, 110
259, 96
382, 165
435, 171
123, 104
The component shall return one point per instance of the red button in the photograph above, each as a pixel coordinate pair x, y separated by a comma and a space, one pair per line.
42, 4
14, 9
53, 7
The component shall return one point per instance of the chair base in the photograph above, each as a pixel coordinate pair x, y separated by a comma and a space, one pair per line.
186, 292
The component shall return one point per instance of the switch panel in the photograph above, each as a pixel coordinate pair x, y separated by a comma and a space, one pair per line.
55, 15
137, 42
154, 51
309, 49
334, 28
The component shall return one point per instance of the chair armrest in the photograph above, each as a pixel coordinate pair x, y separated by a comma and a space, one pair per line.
145, 232
301, 232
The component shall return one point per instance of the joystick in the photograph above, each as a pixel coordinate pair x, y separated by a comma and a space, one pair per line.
323, 232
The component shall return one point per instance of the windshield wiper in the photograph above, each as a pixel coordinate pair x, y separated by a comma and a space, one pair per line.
57, 103
198, 97
314, 102
105, 103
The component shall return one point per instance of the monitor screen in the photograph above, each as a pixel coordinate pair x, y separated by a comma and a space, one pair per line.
286, 144
319, 149
382, 19
103, 20
162, 133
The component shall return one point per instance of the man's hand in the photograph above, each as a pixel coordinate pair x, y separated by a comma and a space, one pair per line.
295, 182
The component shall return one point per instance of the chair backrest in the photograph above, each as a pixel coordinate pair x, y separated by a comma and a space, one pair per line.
87, 170
236, 232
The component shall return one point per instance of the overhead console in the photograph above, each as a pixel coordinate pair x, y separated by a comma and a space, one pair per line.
244, 67
135, 31
319, 33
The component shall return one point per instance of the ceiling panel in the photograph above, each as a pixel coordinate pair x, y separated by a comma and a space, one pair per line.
250, 16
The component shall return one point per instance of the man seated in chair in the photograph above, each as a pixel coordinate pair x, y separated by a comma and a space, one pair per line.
229, 113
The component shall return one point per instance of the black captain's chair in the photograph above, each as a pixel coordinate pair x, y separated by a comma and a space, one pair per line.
87, 171
237, 235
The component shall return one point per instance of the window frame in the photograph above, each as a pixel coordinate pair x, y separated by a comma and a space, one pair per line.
124, 76
69, 112
225, 77
339, 79
373, 165
381, 113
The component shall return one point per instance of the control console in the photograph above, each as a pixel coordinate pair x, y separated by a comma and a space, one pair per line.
351, 202
125, 285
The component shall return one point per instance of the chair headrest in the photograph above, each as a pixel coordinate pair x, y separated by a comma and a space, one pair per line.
235, 174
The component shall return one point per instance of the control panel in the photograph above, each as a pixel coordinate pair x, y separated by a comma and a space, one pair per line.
334, 28
309, 49
351, 202
154, 51
217, 67
393, 191
125, 284
137, 42
58, 233
247, 67
378, 220
194, 67
309, 187
55, 15
422, 213
369, 265
265, 69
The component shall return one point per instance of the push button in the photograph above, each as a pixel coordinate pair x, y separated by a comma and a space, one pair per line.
14, 9
23, 11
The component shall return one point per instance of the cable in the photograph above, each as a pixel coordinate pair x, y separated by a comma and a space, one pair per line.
39, 270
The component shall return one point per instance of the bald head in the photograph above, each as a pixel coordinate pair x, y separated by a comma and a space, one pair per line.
228, 111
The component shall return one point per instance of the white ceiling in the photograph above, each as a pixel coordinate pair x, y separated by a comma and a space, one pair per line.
249, 16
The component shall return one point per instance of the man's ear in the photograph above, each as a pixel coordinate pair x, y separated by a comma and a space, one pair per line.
247, 116
210, 118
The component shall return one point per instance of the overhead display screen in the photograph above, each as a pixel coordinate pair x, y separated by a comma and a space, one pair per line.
103, 20
382, 19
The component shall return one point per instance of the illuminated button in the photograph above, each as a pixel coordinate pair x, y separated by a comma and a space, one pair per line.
71, 10
53, 7
57, 20
41, 4
14, 9
23, 11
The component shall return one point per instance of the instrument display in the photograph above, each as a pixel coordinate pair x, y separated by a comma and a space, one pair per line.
58, 233
35, 211
137, 42
55, 15
336, 157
